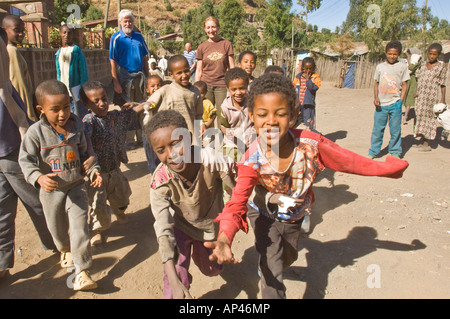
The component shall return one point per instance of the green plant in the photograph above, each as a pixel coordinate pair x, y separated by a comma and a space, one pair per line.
54, 37
110, 31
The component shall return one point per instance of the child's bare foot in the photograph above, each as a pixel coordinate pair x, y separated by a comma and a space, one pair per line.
97, 239
83, 281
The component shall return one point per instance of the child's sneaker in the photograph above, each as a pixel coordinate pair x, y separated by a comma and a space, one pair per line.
83, 281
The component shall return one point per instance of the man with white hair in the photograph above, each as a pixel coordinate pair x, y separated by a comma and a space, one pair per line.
127, 54
190, 55
129, 68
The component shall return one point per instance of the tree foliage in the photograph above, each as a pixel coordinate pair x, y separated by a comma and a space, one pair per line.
93, 13
310, 5
398, 20
278, 23
192, 24
231, 16
60, 15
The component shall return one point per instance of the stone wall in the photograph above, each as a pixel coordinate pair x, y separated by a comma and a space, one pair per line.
42, 64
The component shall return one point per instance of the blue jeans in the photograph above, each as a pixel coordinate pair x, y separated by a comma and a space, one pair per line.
393, 114
309, 116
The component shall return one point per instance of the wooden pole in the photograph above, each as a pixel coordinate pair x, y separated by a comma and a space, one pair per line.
139, 17
119, 8
425, 16
106, 15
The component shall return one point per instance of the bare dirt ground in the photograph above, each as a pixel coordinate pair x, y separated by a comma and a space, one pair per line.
370, 237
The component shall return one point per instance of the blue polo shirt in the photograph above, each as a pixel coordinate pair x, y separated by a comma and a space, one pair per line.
128, 50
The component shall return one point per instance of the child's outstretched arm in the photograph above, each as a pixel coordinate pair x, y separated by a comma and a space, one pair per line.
339, 159
221, 250
233, 217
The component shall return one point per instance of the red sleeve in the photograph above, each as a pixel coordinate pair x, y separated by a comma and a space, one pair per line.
334, 157
234, 215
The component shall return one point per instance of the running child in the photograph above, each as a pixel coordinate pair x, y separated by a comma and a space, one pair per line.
51, 157
277, 174
185, 197
106, 131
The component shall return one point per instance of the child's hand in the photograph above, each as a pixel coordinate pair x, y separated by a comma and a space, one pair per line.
179, 291
275, 199
221, 252
88, 164
98, 180
127, 106
47, 183
376, 101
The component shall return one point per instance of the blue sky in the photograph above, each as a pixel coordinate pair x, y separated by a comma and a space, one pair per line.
333, 12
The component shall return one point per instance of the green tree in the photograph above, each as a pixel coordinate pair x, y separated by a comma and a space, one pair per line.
398, 20
278, 23
247, 39
60, 15
93, 13
231, 16
310, 5
192, 23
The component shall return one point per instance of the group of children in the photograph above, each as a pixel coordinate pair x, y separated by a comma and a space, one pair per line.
270, 175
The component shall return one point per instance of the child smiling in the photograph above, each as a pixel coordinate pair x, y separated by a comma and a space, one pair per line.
185, 198
180, 95
282, 163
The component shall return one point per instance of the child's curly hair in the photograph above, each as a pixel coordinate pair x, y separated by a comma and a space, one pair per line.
272, 83
235, 74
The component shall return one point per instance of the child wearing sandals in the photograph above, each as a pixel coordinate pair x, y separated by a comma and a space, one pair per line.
52, 157
275, 179
185, 196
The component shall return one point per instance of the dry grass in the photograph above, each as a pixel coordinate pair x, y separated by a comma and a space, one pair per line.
155, 13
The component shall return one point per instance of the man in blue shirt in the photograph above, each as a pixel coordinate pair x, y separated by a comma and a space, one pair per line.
129, 68
190, 55
127, 54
